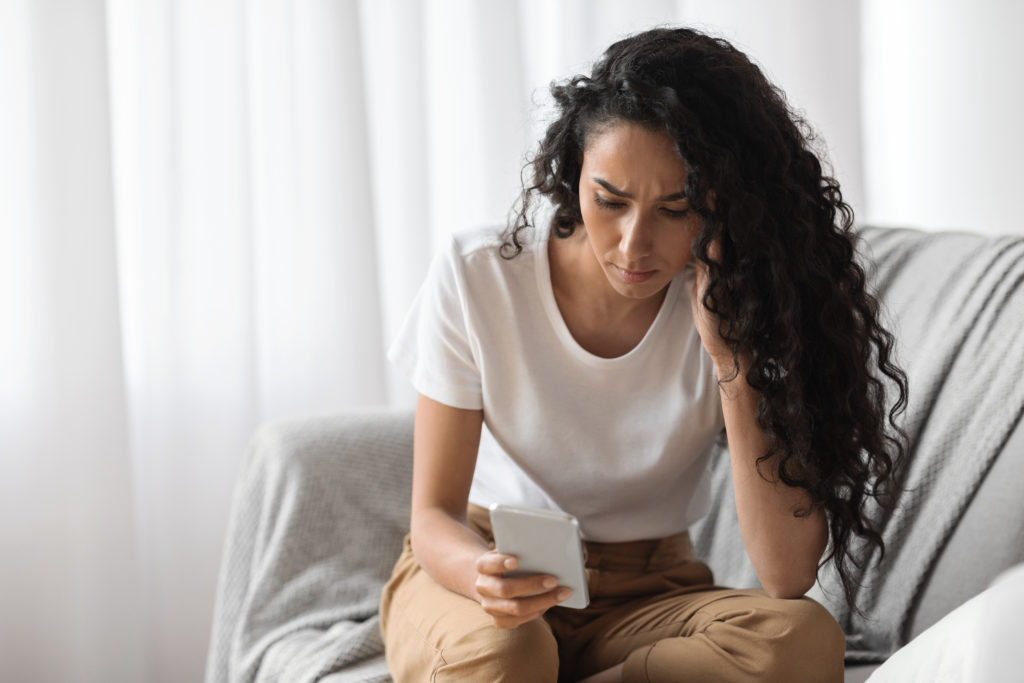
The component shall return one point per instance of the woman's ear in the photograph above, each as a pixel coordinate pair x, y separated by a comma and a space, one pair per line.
710, 199
715, 250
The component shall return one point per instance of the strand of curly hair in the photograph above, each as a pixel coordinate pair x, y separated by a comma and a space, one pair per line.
790, 296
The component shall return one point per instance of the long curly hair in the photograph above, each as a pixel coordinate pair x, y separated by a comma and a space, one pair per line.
789, 294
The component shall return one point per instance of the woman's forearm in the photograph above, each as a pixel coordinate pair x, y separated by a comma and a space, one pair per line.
445, 444
784, 549
447, 550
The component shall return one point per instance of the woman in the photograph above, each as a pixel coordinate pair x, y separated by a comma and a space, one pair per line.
696, 273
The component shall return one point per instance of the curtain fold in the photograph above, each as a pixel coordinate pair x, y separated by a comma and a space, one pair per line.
69, 577
216, 213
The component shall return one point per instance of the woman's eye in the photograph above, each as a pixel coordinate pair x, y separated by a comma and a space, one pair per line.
605, 204
615, 206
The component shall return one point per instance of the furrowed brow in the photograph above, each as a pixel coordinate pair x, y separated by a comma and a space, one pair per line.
676, 196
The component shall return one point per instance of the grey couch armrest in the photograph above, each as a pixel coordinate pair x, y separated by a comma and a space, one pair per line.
319, 513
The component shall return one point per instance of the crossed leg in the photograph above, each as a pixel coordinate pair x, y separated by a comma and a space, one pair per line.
717, 635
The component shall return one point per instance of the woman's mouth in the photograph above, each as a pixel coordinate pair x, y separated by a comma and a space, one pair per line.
633, 276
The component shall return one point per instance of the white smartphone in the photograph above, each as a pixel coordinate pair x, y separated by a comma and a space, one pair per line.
544, 542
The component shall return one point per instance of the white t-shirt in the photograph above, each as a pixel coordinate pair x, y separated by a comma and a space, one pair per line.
621, 443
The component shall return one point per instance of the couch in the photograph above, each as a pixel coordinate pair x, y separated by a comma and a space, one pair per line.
322, 503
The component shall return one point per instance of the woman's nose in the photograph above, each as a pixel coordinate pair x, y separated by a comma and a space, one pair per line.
636, 242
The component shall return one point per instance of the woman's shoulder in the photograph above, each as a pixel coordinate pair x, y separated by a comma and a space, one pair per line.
489, 247
479, 240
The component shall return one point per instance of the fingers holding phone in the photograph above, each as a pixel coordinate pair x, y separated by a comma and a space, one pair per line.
514, 600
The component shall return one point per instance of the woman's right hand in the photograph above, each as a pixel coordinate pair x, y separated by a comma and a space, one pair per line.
511, 600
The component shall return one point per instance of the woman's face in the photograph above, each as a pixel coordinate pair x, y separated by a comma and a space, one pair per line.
635, 212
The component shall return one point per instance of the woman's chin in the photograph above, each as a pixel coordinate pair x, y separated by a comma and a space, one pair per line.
636, 290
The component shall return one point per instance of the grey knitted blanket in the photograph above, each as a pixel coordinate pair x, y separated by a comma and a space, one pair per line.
319, 513
956, 305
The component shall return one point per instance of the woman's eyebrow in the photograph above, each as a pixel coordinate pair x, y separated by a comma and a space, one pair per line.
616, 191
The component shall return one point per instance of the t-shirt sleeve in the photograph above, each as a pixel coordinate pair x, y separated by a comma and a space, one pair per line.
433, 347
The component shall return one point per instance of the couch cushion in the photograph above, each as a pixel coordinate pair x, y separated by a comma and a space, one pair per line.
978, 641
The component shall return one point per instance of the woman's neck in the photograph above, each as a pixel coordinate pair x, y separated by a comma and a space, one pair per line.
579, 280
601, 320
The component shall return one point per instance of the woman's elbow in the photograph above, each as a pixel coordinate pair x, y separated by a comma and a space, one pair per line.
790, 587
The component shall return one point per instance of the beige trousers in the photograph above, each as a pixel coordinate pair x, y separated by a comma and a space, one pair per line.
652, 606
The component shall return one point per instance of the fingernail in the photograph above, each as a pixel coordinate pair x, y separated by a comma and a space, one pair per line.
509, 563
550, 582
564, 593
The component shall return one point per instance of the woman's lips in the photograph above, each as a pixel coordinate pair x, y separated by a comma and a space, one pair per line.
633, 276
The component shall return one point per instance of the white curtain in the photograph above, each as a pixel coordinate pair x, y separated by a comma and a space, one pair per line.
943, 92
214, 213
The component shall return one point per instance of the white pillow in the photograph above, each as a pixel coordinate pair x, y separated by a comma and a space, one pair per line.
981, 641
